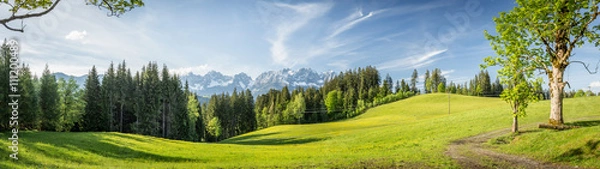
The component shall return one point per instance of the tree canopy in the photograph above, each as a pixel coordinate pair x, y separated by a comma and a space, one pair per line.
544, 34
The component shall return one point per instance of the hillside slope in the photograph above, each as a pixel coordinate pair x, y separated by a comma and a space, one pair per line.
410, 133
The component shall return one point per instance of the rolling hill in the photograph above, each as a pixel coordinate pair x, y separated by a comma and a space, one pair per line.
411, 133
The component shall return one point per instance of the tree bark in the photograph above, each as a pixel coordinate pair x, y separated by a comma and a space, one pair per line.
515, 125
557, 86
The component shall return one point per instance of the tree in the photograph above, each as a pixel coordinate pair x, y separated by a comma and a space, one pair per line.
545, 38
404, 87
70, 105
94, 118
518, 95
579, 93
29, 100
49, 101
398, 87
441, 88
193, 110
517, 75
414, 81
20, 9
333, 102
109, 97
427, 83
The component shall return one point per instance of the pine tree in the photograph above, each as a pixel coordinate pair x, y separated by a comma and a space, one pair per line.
49, 101
28, 101
69, 109
414, 81
109, 91
427, 84
94, 118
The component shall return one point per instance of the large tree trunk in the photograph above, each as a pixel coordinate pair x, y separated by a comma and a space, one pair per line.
557, 87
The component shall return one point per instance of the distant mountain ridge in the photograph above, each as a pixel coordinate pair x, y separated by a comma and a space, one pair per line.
215, 82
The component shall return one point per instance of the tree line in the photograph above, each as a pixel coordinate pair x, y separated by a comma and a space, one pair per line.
343, 96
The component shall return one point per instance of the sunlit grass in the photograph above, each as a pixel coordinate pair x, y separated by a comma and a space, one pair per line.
410, 133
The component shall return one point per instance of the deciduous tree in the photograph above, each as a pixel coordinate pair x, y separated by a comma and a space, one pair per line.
548, 32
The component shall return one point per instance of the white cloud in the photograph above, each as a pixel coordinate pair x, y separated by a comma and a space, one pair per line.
76, 35
412, 62
595, 84
304, 13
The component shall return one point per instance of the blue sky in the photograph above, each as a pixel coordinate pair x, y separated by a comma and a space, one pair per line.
257, 36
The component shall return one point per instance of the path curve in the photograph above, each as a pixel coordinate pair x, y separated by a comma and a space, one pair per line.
471, 153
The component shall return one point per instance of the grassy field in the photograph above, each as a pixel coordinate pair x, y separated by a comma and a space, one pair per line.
410, 133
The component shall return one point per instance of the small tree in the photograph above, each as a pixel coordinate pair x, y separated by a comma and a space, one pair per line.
520, 92
517, 74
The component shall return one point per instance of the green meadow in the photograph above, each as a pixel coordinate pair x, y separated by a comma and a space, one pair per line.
411, 133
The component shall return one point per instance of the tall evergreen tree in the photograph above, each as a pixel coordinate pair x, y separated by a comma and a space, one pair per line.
109, 92
414, 81
94, 118
427, 84
49, 101
28, 101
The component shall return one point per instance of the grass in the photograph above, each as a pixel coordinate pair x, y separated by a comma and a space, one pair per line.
411, 133
577, 147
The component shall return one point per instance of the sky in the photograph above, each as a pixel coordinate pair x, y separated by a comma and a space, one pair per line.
247, 36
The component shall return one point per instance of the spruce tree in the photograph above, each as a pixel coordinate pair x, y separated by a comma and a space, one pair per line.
49, 101
94, 118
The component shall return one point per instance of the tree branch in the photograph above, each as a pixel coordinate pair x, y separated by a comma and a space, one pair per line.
583, 29
586, 66
21, 17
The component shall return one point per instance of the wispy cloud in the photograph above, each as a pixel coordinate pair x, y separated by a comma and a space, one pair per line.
415, 61
446, 73
340, 64
351, 21
303, 14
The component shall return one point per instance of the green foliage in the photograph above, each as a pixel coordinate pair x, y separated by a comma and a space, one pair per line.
94, 118
71, 104
116, 7
49, 101
295, 110
541, 35
413, 81
29, 101
441, 88
23, 9
333, 102
214, 127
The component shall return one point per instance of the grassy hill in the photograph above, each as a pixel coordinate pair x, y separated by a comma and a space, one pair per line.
410, 133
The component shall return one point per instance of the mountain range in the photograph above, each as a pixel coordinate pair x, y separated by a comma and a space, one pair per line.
215, 82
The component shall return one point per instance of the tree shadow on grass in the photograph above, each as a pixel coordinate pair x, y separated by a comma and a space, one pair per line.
590, 123
590, 150
74, 148
255, 139
275, 141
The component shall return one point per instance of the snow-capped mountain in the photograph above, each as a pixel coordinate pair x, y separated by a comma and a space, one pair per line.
278, 79
215, 82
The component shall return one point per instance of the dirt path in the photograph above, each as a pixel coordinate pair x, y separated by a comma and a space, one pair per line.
471, 153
